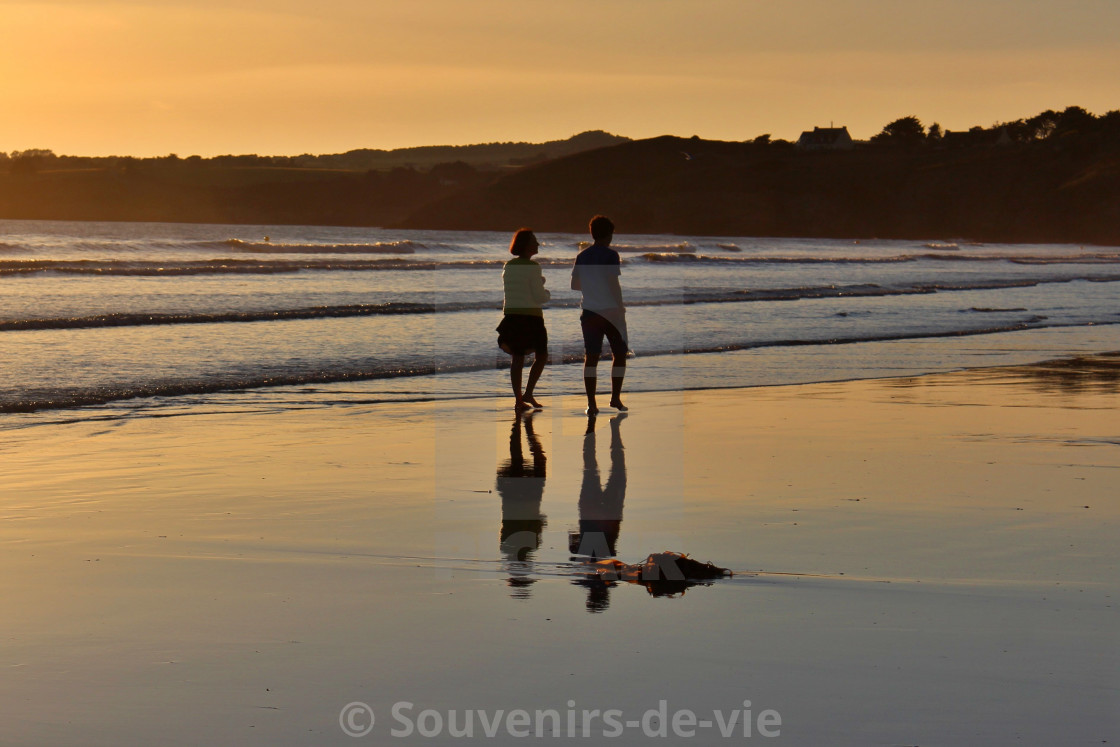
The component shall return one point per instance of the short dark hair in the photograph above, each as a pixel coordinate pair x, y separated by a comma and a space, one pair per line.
520, 242
601, 227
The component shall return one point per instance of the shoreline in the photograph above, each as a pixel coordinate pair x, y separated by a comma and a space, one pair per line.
502, 229
748, 368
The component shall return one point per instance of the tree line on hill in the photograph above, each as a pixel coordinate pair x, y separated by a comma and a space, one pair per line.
485, 156
360, 187
1053, 177
1072, 123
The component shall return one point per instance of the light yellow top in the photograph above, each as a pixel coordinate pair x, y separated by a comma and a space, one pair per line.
524, 286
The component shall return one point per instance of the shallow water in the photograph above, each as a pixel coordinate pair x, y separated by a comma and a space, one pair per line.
104, 313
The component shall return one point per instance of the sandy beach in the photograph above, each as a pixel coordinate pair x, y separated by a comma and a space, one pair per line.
280, 283
918, 561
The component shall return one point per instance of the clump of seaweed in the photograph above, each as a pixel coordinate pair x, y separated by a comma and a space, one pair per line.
663, 573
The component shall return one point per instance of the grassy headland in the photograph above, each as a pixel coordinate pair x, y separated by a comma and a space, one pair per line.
1052, 178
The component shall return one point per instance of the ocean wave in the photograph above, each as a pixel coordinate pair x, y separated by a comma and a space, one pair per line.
679, 248
867, 290
62, 398
1100, 258
1035, 322
771, 260
991, 310
943, 246
266, 266
143, 319
390, 308
227, 266
269, 247
72, 398
671, 257
1025, 259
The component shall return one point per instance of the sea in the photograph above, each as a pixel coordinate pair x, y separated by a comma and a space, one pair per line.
111, 320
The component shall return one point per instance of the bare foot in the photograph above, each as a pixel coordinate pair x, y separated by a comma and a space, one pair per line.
520, 406
533, 403
617, 404
591, 410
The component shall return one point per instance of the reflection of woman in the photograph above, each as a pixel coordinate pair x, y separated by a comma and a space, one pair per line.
521, 487
522, 329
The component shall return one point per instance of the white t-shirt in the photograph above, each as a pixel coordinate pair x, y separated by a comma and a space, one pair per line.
596, 275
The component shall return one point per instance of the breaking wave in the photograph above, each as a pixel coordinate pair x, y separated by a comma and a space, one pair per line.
269, 247
224, 266
263, 266
680, 248
67, 398
396, 308
1095, 258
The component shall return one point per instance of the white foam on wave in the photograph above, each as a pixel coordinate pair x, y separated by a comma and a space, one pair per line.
267, 247
682, 247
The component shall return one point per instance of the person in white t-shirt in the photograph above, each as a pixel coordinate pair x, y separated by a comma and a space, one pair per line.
595, 275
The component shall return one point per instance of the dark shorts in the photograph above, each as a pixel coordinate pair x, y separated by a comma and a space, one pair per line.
595, 327
523, 333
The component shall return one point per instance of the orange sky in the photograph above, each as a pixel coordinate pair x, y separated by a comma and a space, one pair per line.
151, 77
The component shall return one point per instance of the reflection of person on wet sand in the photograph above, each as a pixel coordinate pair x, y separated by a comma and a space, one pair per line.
600, 508
521, 487
600, 522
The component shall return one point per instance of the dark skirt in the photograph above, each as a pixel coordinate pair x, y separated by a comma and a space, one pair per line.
523, 333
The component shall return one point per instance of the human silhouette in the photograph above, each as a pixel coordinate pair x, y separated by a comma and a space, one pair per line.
595, 276
522, 329
521, 487
600, 509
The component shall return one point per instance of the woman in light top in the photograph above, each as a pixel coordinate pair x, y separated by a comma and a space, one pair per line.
522, 329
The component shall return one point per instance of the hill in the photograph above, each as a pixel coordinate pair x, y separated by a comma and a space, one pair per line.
483, 156
1039, 191
360, 188
1054, 177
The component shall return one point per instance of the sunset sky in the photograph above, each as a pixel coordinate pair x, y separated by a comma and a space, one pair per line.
151, 77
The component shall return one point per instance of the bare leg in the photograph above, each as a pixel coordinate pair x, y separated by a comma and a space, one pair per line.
540, 360
515, 369
618, 372
590, 363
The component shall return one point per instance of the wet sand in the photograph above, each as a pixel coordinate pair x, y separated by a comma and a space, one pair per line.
928, 560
